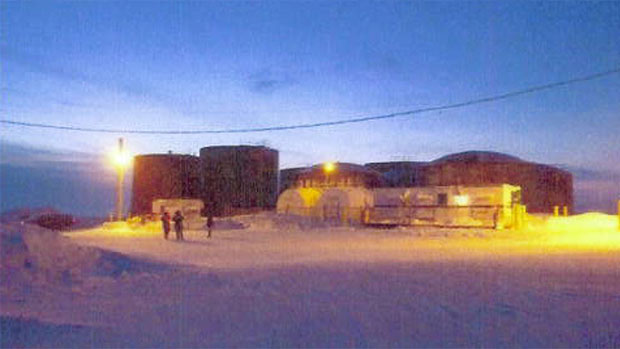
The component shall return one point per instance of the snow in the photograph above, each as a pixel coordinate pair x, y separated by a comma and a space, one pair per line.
273, 281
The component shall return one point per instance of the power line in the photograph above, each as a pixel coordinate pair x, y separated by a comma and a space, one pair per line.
326, 123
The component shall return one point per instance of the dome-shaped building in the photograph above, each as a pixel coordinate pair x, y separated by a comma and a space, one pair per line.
299, 201
332, 191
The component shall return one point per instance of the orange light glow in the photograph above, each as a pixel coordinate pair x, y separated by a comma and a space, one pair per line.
329, 167
589, 230
461, 200
120, 160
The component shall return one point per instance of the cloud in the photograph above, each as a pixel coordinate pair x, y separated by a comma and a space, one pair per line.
26, 156
74, 182
40, 64
595, 189
46, 65
597, 196
12, 94
268, 81
581, 173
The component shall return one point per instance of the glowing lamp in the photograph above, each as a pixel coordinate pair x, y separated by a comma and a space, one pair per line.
121, 159
461, 200
329, 167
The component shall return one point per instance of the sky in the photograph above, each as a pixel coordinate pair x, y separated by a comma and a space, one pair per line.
232, 65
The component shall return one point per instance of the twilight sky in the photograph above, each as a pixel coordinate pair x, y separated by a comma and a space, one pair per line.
215, 65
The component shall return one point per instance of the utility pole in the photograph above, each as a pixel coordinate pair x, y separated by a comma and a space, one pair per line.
119, 183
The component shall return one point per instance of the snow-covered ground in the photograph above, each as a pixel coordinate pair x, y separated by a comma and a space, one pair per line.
267, 281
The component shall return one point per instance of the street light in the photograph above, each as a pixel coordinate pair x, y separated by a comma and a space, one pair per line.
329, 167
121, 160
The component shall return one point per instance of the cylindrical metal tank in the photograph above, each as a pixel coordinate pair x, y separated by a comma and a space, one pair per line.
343, 175
543, 186
288, 177
397, 173
239, 178
163, 176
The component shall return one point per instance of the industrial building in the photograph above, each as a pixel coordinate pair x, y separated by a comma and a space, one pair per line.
398, 173
288, 177
238, 179
542, 186
491, 206
339, 174
340, 204
163, 176
242, 179
465, 189
228, 179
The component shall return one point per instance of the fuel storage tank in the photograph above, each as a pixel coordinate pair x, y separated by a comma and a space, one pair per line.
163, 176
236, 179
341, 174
543, 186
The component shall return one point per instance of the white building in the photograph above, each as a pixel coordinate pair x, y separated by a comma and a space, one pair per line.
492, 206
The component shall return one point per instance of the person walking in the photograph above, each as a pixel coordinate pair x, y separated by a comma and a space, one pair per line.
178, 224
165, 221
209, 223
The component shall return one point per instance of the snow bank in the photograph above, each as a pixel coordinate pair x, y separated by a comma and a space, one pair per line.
227, 224
19, 332
284, 222
26, 214
33, 254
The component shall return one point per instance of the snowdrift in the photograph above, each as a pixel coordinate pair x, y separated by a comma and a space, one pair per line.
283, 222
33, 254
